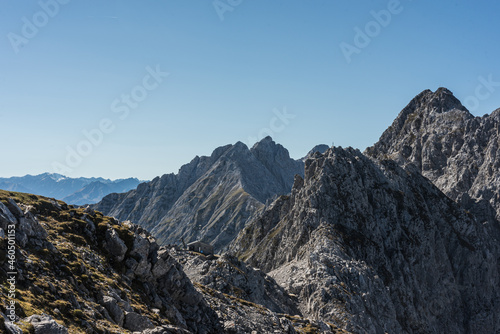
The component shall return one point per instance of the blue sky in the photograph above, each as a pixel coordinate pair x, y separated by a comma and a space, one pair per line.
267, 67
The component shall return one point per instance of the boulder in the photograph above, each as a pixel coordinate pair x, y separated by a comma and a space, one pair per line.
44, 324
6, 217
136, 322
114, 245
111, 305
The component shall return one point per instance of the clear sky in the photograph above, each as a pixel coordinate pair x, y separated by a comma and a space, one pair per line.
306, 72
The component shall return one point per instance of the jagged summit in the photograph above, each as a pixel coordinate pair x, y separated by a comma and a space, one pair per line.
425, 107
401, 239
211, 198
442, 100
267, 140
377, 248
321, 148
455, 150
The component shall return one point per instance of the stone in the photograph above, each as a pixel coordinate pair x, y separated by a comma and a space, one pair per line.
114, 245
12, 328
17, 210
6, 217
116, 313
44, 324
136, 322
167, 329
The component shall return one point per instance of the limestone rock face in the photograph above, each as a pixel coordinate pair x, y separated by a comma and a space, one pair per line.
136, 322
44, 324
211, 198
231, 276
94, 274
458, 152
376, 248
114, 310
75, 263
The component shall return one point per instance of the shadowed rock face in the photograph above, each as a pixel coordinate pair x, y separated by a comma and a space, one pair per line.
212, 198
377, 248
458, 152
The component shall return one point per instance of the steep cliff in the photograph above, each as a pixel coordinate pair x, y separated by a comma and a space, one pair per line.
458, 152
377, 248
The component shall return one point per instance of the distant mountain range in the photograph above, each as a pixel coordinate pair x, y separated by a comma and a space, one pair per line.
77, 191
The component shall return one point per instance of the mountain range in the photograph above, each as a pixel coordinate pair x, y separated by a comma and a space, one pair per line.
77, 191
400, 238
211, 198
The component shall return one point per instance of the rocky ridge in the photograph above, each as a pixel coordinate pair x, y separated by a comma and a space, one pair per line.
455, 150
211, 198
82, 272
92, 273
376, 248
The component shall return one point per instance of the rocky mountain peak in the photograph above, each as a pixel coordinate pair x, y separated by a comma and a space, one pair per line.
267, 149
212, 197
440, 101
321, 148
496, 114
377, 248
455, 150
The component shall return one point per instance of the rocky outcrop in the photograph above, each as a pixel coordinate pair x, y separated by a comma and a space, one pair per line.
137, 323
455, 150
44, 324
373, 247
90, 271
227, 274
211, 198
